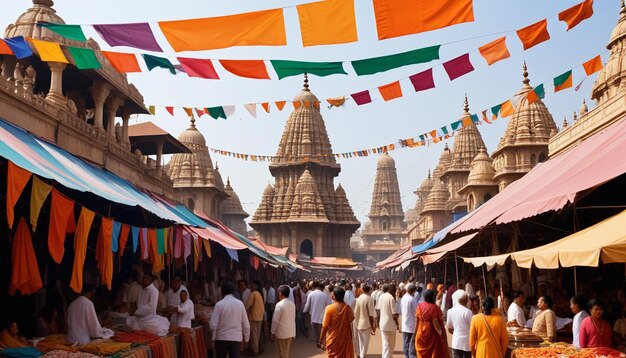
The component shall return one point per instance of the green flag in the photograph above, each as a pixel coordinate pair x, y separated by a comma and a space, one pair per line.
154, 61
293, 68
495, 110
72, 32
380, 64
537, 93
84, 58
160, 241
217, 112
455, 125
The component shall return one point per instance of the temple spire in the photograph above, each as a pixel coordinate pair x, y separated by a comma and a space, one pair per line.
525, 81
466, 105
306, 83
193, 122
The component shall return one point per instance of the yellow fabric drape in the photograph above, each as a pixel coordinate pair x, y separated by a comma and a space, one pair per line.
207, 247
17, 178
327, 22
260, 28
49, 51
80, 248
38, 196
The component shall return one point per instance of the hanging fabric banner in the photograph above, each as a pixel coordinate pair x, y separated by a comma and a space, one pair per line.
154, 61
495, 110
4, 48
534, 34
577, 14
423, 81
506, 109
19, 46
137, 35
84, 58
17, 178
563, 81
229, 111
195, 67
123, 238
293, 68
251, 108
38, 195
246, 68
134, 232
592, 66
362, 98
261, 28
338, 18
390, 91
60, 210
115, 235
216, 112
49, 51
266, 107
384, 63
80, 248
336, 102
25, 276
104, 252
72, 32
458, 67
122, 62
405, 17
160, 241
495, 51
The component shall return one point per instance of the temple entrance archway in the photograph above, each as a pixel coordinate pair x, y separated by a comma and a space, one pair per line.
306, 248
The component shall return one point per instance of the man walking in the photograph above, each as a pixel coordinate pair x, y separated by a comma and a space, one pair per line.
364, 313
316, 304
388, 319
458, 323
408, 306
255, 309
229, 324
284, 322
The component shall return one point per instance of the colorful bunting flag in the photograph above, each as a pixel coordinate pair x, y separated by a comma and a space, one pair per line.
261, 28
137, 35
390, 91
423, 81
4, 48
38, 195
246, 68
485, 118
384, 63
17, 178
19, 46
458, 67
293, 68
495, 51
251, 108
200, 112
152, 110
537, 93
154, 61
280, 105
266, 107
506, 109
475, 119
229, 111
467, 121
592, 66
336, 102
495, 110
84, 58
170, 110
454, 125
563, 81
72, 32
201, 68
49, 51
216, 112
404, 17
122, 62
362, 98
534, 34
577, 14
338, 19
189, 111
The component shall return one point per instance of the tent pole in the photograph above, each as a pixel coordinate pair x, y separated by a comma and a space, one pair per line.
575, 282
445, 272
456, 265
484, 279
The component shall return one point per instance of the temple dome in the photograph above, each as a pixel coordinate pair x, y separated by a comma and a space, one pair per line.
466, 143
232, 204
611, 76
427, 183
385, 161
192, 136
437, 198
481, 169
531, 123
444, 162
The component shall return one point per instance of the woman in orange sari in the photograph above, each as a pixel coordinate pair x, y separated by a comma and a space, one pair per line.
336, 335
430, 333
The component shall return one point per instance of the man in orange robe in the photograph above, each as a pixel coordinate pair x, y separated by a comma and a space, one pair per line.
336, 336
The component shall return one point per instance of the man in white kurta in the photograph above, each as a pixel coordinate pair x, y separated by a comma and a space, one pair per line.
145, 317
388, 320
316, 304
364, 313
82, 321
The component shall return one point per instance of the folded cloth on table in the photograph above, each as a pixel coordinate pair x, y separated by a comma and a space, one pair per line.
104, 347
135, 337
55, 342
21, 352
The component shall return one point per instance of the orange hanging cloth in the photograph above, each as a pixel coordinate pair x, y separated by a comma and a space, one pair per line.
25, 275
80, 248
17, 178
60, 210
123, 238
104, 252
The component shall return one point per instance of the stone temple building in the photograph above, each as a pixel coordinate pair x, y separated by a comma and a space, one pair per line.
233, 214
303, 210
467, 176
384, 232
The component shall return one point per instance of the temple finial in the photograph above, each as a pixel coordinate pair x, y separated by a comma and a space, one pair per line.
466, 105
48, 3
525, 81
429, 174
228, 180
306, 83
193, 122
217, 166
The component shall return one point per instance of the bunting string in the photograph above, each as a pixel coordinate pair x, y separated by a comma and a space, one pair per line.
502, 110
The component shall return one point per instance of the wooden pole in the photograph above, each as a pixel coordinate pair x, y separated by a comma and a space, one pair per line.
456, 265
575, 282
484, 279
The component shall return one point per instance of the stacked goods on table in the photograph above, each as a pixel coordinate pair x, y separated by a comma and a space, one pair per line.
523, 337
560, 350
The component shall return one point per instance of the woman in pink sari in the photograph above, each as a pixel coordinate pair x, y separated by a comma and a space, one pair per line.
430, 333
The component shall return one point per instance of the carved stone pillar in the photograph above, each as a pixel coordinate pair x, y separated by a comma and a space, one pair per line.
125, 118
99, 91
55, 94
112, 105
159, 155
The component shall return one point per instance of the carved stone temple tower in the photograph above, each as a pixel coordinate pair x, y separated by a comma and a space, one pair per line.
303, 210
383, 234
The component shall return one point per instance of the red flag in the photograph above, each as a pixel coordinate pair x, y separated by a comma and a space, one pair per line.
170, 110
197, 67
200, 112
423, 80
362, 98
458, 67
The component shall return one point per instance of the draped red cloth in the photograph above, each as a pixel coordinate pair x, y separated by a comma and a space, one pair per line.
430, 332
25, 275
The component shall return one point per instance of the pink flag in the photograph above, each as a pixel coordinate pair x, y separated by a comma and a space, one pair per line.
362, 98
423, 80
197, 67
458, 67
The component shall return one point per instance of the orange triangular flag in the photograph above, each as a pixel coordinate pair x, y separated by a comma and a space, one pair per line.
296, 104
189, 111
280, 105
266, 107
336, 102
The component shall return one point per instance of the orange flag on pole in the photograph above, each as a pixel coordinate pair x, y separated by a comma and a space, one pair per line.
327, 22
534, 34
390, 91
405, 17
17, 178
592, 66
246, 68
260, 28
577, 14
495, 51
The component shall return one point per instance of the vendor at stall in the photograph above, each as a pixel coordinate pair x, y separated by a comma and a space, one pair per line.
515, 314
594, 331
82, 321
185, 311
145, 317
10, 336
545, 322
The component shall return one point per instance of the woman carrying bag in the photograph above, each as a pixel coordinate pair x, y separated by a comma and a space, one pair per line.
488, 335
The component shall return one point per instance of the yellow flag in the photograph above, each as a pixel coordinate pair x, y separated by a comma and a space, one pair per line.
38, 195
49, 51
189, 111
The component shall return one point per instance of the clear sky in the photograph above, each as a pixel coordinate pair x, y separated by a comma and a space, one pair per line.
350, 127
